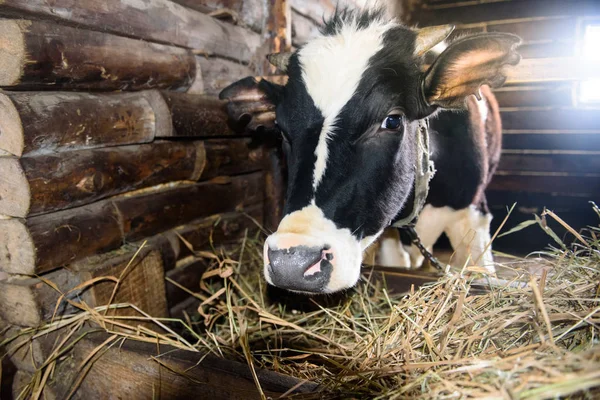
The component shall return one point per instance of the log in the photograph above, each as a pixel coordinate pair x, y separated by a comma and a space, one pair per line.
581, 184
558, 140
537, 118
158, 21
250, 13
149, 214
552, 70
536, 161
469, 12
179, 375
40, 54
32, 301
30, 246
53, 182
545, 95
218, 73
217, 230
41, 123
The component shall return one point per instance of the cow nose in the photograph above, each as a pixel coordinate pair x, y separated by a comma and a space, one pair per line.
300, 268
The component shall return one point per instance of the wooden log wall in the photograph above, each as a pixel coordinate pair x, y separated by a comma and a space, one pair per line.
112, 138
551, 142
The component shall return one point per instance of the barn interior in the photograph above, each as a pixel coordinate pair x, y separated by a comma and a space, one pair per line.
133, 208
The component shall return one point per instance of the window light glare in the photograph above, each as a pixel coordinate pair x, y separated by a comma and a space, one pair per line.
589, 91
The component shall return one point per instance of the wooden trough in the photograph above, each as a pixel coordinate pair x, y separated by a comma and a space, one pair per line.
114, 147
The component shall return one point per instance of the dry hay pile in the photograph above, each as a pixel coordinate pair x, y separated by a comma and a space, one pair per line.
534, 337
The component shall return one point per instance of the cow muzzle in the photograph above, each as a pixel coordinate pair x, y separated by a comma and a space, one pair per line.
309, 254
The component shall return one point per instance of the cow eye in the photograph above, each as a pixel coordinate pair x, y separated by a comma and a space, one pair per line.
392, 122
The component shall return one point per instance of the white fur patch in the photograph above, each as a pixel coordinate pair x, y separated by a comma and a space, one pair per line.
332, 67
309, 227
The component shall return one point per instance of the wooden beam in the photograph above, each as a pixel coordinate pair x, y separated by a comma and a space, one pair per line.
30, 246
51, 182
149, 214
582, 184
158, 21
542, 95
550, 162
552, 69
30, 302
279, 30
251, 13
472, 12
536, 118
40, 54
566, 140
218, 73
179, 374
47, 122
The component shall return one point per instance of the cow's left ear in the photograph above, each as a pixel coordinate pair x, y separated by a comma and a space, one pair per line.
251, 103
467, 64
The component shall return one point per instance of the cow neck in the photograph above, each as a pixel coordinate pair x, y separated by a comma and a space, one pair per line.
424, 171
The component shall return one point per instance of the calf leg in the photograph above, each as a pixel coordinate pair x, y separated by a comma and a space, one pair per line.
388, 251
429, 227
469, 234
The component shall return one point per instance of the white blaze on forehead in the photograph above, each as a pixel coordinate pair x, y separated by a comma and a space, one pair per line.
332, 67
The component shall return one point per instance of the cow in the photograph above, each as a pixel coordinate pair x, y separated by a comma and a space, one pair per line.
349, 116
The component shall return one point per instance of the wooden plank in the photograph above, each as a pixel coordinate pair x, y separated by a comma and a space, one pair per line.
158, 21
550, 118
46, 122
180, 374
250, 13
547, 49
469, 12
30, 246
40, 54
149, 214
30, 302
559, 29
536, 202
231, 157
552, 70
552, 141
550, 162
218, 73
53, 182
583, 184
544, 95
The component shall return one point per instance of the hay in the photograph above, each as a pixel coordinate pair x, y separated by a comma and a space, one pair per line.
534, 337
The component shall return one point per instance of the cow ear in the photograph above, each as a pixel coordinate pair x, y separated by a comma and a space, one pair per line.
467, 64
251, 103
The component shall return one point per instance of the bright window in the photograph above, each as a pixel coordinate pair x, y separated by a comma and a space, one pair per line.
589, 91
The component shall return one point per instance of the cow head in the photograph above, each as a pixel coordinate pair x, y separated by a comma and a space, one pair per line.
348, 115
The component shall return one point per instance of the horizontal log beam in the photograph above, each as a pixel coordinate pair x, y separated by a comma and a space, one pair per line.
46, 183
158, 21
549, 162
179, 374
581, 184
550, 118
218, 73
30, 302
552, 70
552, 141
251, 13
41, 54
544, 95
46, 122
30, 245
34, 123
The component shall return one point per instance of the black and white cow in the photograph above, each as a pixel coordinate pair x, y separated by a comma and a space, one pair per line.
349, 114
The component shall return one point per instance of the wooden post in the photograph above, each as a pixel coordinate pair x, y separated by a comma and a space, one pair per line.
40, 54
47, 122
159, 21
279, 30
30, 246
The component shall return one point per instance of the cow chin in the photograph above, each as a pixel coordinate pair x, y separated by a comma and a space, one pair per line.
309, 254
